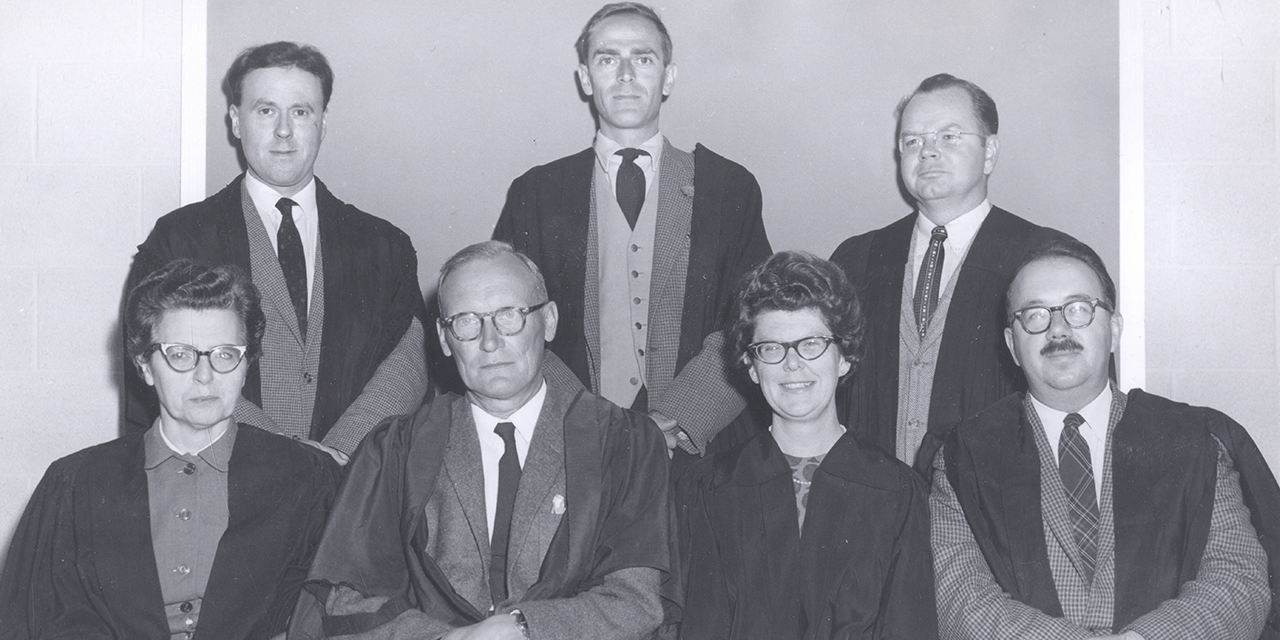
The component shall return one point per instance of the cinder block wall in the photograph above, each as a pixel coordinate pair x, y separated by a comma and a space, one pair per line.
1213, 208
89, 143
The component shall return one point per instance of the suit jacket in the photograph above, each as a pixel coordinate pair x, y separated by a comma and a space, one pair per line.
710, 232
371, 292
81, 563
411, 540
974, 368
1172, 512
861, 570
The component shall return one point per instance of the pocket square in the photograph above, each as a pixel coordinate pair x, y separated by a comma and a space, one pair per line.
557, 504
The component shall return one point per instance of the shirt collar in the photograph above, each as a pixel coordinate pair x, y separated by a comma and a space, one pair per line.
961, 231
606, 147
265, 197
525, 418
157, 448
1097, 413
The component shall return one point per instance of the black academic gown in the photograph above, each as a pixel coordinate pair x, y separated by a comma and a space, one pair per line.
862, 569
81, 563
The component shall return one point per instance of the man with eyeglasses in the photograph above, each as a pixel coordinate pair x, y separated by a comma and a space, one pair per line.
933, 281
526, 507
1080, 511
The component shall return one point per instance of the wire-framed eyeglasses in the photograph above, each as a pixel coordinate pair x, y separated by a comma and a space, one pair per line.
771, 352
182, 358
509, 321
911, 142
1078, 314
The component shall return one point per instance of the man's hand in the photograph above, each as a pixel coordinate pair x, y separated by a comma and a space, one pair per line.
499, 627
338, 456
671, 431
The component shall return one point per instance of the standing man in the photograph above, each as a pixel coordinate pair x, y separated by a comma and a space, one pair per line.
935, 279
344, 344
1079, 511
526, 508
642, 243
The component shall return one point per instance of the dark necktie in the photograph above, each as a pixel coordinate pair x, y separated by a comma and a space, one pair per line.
508, 483
292, 262
929, 280
1076, 469
630, 185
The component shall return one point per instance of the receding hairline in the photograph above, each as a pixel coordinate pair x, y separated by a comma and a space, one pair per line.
533, 286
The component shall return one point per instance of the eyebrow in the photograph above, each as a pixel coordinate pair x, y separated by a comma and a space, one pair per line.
616, 52
1075, 297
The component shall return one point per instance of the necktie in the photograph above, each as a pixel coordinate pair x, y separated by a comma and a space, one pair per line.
630, 185
1076, 469
508, 483
929, 280
292, 262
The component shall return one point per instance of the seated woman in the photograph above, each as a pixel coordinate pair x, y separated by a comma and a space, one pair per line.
197, 524
803, 531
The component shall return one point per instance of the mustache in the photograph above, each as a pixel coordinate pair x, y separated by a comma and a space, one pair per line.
1059, 346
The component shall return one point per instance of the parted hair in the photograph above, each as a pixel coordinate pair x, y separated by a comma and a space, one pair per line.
488, 250
278, 54
583, 44
983, 106
1063, 246
796, 280
186, 284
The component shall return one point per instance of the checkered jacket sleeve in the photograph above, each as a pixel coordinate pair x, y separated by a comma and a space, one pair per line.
971, 606
1230, 597
398, 386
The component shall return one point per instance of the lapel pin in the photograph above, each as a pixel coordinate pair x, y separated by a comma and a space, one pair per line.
557, 505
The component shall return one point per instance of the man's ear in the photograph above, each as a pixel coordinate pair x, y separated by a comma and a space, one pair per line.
668, 79
444, 342
991, 153
550, 320
1008, 342
1117, 328
584, 79
234, 112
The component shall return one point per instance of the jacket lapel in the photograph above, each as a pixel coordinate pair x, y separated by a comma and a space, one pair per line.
270, 278
461, 462
1053, 497
670, 266
542, 477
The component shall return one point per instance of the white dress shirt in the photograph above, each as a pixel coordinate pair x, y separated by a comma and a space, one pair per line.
1097, 415
606, 155
491, 446
960, 234
305, 216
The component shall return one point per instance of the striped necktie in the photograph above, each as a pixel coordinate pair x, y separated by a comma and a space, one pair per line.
1076, 468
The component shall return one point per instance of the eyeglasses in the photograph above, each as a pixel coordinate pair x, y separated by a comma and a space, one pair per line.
508, 321
770, 352
182, 358
949, 139
1077, 313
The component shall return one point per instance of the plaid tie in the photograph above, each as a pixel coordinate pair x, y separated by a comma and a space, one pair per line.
630, 184
508, 484
292, 262
929, 280
1076, 469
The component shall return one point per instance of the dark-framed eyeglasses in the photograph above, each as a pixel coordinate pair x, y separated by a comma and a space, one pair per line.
911, 142
1078, 314
509, 321
182, 358
770, 352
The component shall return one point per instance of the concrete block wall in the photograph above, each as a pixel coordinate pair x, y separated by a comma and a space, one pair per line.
1212, 190
89, 144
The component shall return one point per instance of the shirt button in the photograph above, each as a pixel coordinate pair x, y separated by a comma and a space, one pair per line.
189, 469
308, 378
185, 607
183, 569
183, 514
636, 300
634, 248
635, 274
640, 351
635, 381
639, 326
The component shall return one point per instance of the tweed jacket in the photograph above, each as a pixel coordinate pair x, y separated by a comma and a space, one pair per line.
81, 563
408, 550
709, 232
1177, 555
974, 368
371, 293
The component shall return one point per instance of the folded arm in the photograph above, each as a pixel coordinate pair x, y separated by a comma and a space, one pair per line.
701, 399
398, 386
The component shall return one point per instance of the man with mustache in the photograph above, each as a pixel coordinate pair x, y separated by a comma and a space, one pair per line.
344, 346
642, 244
933, 281
1081, 511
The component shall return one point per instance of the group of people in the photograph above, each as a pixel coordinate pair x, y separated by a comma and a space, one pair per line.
663, 428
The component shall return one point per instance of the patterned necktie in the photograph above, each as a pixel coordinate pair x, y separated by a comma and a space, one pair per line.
292, 262
508, 483
1076, 469
929, 281
630, 185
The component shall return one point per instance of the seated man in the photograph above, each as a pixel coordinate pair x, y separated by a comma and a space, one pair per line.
526, 508
1081, 511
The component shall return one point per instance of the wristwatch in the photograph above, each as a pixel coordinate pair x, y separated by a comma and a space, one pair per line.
521, 623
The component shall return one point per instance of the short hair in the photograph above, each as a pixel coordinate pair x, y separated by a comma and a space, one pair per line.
186, 284
983, 106
583, 43
796, 280
1063, 246
278, 54
488, 250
